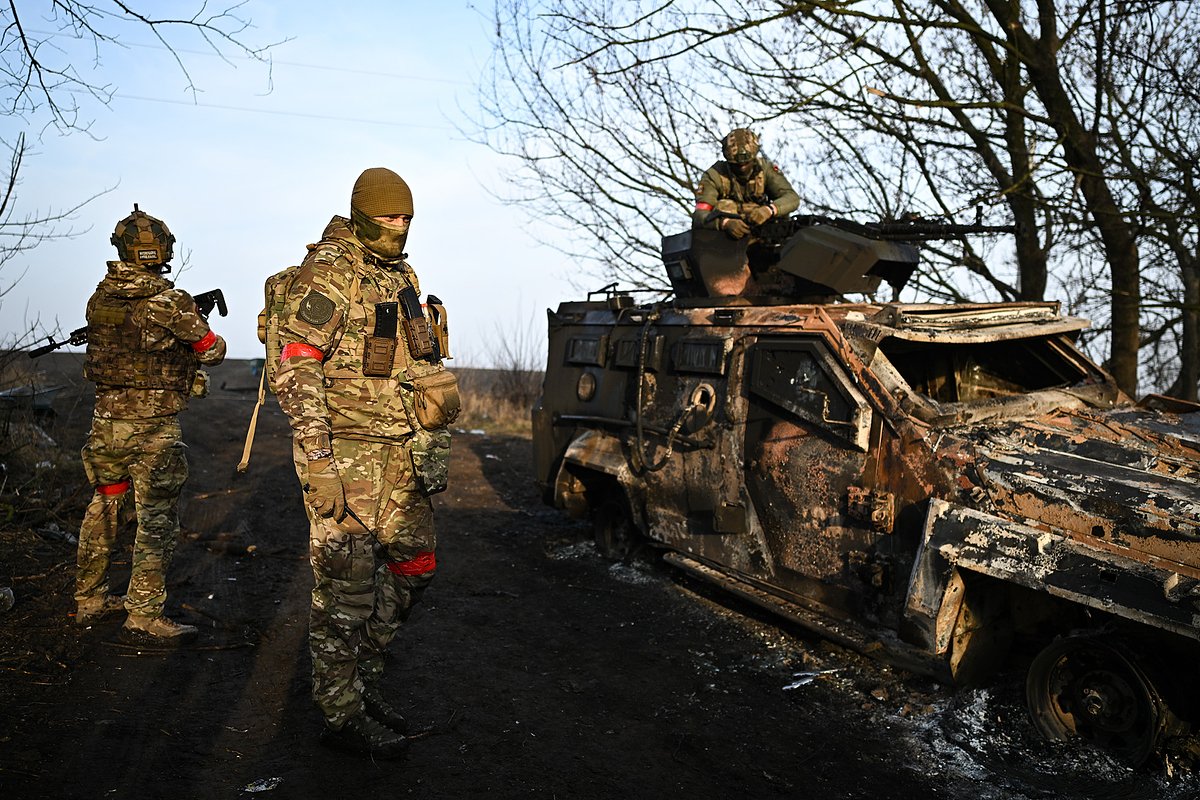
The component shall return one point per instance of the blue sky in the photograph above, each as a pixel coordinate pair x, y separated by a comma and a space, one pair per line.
251, 169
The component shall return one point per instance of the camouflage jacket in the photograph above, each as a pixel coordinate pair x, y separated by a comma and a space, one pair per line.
167, 335
330, 312
763, 186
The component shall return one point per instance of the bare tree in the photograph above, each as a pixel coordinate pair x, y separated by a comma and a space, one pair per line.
895, 106
41, 86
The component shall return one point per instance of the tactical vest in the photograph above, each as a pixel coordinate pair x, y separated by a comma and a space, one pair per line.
751, 191
116, 350
369, 288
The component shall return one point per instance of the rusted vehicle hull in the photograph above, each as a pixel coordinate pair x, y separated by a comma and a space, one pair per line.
928, 484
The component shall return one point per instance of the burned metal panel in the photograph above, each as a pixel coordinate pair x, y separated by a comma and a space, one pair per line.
800, 376
701, 354
1109, 480
599, 452
1058, 565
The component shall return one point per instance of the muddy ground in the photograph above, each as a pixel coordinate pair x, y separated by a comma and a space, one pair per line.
535, 668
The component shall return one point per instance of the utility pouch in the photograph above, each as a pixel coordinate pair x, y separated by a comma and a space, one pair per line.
436, 402
440, 322
379, 349
199, 386
431, 460
416, 326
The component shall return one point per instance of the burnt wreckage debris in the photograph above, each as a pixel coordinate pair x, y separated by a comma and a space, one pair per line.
953, 482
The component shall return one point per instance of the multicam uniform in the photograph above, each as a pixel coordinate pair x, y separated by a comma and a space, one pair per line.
370, 567
145, 338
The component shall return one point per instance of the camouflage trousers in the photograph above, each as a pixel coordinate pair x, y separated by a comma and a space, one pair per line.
369, 570
147, 456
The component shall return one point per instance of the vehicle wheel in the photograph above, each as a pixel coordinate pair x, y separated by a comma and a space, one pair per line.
613, 529
1082, 687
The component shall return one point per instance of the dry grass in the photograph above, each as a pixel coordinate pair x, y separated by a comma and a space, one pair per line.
498, 401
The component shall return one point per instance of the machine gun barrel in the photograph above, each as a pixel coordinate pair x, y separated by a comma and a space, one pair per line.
777, 232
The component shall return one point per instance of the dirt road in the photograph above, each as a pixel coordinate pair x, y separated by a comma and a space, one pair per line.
536, 669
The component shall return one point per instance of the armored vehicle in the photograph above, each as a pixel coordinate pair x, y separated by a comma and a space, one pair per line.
950, 488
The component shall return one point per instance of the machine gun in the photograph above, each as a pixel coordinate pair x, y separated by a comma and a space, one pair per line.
823, 257
913, 229
205, 303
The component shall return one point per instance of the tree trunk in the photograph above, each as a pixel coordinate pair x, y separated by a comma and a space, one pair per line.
1079, 151
1189, 356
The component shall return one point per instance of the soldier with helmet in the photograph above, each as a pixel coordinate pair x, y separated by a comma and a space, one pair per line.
744, 190
359, 377
739, 194
146, 340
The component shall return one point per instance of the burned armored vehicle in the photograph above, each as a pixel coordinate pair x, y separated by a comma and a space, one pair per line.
951, 488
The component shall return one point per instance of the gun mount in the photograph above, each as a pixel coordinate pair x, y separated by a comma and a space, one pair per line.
808, 258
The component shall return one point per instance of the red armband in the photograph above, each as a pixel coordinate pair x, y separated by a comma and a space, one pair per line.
420, 564
300, 350
208, 341
113, 488
703, 207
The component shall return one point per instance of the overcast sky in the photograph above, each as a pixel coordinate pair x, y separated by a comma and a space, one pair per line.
252, 169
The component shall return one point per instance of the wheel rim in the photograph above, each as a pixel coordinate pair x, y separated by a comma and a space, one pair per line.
1084, 688
614, 531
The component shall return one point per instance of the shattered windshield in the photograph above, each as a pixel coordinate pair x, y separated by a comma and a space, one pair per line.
976, 372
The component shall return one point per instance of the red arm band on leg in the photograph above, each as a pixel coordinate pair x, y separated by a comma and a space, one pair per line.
208, 341
300, 350
113, 488
418, 565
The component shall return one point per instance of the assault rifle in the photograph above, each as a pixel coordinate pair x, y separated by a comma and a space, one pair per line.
207, 300
78, 336
205, 303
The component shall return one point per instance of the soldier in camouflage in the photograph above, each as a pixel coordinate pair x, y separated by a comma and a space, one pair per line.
145, 341
739, 194
345, 381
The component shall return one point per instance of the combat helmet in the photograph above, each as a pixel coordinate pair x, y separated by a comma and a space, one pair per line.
740, 146
379, 192
144, 240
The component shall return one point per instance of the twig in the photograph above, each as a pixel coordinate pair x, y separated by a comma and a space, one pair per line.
45, 574
218, 492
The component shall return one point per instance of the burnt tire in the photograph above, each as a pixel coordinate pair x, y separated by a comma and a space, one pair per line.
613, 530
1088, 688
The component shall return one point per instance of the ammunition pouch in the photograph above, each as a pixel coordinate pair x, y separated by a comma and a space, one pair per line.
420, 343
417, 329
379, 349
436, 402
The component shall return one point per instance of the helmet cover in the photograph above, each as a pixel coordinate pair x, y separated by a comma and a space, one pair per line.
740, 146
143, 240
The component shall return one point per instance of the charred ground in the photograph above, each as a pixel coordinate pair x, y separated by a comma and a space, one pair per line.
535, 668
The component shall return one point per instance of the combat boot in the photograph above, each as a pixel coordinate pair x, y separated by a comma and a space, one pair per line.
94, 609
381, 710
365, 736
156, 631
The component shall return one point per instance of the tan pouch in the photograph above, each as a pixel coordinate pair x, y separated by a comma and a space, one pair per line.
379, 355
435, 399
